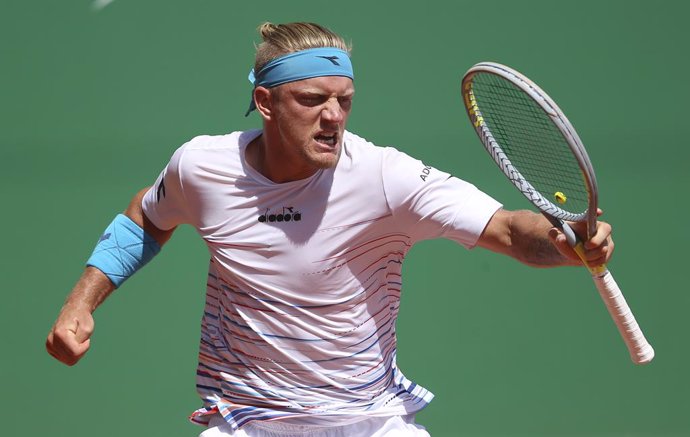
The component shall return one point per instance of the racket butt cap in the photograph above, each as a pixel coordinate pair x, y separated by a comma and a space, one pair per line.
644, 356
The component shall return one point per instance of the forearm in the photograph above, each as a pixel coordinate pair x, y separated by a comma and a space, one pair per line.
530, 241
526, 236
92, 288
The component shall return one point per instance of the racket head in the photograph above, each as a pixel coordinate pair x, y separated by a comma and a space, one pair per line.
532, 141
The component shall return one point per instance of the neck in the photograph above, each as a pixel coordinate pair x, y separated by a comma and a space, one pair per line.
272, 164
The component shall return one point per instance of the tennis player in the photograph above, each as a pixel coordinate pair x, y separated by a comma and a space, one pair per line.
307, 225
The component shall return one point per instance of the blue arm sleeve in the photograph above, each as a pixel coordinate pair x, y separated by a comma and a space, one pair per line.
123, 249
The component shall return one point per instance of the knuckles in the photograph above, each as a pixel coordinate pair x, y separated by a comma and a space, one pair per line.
62, 345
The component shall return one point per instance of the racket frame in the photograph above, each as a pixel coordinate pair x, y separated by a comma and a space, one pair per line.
553, 212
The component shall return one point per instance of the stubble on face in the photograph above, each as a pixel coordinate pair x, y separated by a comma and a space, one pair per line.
309, 122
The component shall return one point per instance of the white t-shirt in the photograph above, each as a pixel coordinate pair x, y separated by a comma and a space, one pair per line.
305, 277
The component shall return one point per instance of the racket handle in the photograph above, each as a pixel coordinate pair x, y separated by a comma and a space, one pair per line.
641, 352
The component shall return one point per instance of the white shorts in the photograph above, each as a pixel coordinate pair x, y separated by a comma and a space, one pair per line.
395, 426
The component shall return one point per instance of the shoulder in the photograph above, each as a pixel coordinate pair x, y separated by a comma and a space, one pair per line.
218, 154
214, 142
359, 156
385, 162
212, 147
360, 150
368, 149
356, 145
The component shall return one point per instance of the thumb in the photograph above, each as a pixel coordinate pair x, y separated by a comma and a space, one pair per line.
556, 236
83, 328
560, 242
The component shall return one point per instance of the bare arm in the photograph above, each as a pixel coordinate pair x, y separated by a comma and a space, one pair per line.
69, 338
532, 240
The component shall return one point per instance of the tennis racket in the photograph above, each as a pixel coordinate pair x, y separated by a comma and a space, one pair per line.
539, 151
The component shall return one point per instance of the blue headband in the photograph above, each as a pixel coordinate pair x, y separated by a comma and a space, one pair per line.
305, 64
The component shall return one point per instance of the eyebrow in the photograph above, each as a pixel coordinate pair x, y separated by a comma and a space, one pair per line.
319, 92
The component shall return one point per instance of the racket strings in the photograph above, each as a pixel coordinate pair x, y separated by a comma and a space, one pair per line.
531, 141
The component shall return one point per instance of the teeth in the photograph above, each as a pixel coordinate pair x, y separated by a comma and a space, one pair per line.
330, 140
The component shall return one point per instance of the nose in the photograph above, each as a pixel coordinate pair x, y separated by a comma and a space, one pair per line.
332, 111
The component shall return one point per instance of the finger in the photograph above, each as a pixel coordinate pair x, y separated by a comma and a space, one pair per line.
83, 329
554, 233
67, 347
601, 237
600, 255
54, 344
49, 344
61, 354
561, 243
604, 255
596, 260
74, 347
73, 356
54, 355
557, 237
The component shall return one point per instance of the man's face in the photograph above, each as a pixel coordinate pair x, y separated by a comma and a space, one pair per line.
309, 117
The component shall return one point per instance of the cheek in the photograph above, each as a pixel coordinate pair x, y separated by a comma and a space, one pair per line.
301, 121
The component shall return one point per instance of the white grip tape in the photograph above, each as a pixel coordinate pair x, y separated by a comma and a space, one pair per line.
641, 352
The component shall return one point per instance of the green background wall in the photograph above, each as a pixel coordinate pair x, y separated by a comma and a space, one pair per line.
94, 101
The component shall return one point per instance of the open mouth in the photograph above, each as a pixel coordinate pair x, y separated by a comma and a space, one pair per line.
328, 139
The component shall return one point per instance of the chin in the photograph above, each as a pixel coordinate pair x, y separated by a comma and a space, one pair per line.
324, 160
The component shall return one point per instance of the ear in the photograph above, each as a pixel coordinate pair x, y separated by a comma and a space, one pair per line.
264, 102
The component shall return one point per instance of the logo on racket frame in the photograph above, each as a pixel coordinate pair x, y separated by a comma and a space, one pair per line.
471, 102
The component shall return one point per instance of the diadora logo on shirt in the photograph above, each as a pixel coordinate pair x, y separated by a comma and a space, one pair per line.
286, 215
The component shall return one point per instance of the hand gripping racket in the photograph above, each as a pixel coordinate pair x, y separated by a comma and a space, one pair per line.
539, 151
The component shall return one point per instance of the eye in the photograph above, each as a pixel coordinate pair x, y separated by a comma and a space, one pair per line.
311, 99
345, 102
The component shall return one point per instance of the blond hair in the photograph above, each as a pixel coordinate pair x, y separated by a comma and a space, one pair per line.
281, 39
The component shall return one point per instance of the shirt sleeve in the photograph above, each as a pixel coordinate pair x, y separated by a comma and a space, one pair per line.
165, 203
430, 203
